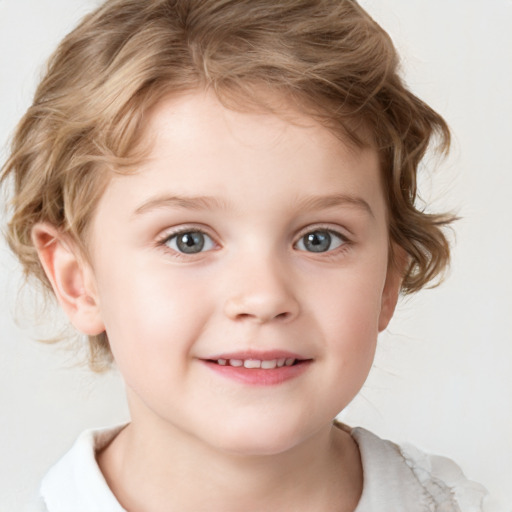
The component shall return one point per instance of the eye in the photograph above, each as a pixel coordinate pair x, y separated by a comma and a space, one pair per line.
320, 240
190, 242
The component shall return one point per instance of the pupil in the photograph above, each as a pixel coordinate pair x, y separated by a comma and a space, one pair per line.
319, 241
191, 242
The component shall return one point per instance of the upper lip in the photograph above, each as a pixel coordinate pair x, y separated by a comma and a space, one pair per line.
267, 355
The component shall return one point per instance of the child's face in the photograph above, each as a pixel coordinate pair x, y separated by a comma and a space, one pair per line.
243, 237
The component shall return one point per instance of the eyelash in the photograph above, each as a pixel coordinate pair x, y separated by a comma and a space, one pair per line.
344, 244
164, 241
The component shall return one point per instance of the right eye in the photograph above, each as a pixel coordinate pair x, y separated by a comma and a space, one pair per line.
320, 240
190, 242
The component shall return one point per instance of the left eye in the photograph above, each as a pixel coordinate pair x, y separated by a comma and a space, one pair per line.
190, 242
320, 240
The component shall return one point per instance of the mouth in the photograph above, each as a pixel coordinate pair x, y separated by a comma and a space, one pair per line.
259, 369
251, 363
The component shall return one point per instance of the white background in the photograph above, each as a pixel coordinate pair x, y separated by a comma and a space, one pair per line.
443, 374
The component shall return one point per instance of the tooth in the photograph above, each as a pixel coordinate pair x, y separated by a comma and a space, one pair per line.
252, 363
236, 362
268, 365
280, 362
289, 362
222, 362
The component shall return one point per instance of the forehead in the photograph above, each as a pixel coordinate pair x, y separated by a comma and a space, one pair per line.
199, 125
198, 147
187, 114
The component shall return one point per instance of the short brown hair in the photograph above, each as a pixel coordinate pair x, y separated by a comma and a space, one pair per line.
328, 57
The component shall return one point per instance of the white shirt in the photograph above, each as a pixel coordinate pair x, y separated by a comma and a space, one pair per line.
396, 479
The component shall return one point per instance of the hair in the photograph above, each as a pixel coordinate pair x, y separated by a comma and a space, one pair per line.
328, 58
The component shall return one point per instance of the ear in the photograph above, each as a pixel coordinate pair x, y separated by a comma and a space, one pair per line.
71, 278
392, 286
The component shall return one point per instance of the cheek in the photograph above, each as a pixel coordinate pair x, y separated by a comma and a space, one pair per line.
150, 314
348, 317
351, 301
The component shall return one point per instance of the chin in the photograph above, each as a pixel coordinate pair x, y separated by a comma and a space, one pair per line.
256, 439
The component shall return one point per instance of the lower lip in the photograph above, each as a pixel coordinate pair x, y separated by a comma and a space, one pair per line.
257, 376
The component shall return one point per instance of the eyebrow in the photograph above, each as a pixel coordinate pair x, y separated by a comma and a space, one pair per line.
187, 202
333, 201
209, 202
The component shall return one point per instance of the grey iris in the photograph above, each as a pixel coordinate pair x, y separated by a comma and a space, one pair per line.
318, 241
190, 243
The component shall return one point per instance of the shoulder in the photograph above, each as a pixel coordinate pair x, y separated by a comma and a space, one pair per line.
403, 478
75, 483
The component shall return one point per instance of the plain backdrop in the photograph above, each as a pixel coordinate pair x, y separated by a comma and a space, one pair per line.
442, 378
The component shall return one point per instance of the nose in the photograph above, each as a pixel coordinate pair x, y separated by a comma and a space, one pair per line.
262, 293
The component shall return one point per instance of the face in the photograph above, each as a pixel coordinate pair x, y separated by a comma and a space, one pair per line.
241, 275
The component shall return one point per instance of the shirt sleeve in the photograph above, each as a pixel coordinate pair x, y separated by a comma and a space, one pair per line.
445, 481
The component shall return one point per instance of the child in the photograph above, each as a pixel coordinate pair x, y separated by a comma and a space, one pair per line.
221, 194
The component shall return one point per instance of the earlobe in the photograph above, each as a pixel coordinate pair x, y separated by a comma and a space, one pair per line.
392, 286
71, 278
389, 299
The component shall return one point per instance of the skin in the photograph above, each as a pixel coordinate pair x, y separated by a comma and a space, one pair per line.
198, 440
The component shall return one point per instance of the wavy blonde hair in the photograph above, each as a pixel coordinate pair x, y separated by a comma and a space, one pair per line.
327, 57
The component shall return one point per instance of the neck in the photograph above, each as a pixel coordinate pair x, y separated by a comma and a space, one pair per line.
166, 469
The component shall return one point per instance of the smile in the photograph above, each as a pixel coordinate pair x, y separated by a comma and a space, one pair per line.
263, 369
265, 364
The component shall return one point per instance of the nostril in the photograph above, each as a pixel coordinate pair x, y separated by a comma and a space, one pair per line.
264, 318
261, 308
243, 316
